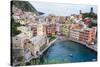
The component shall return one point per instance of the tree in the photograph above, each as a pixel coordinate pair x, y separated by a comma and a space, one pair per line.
91, 25
14, 26
93, 15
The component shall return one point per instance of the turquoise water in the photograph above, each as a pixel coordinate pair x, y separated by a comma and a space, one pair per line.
68, 51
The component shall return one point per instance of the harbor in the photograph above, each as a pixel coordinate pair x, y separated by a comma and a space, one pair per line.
54, 38
67, 52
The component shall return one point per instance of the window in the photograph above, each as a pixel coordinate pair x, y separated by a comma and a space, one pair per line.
29, 41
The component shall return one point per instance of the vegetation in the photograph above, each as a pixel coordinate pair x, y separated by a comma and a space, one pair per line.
51, 38
94, 21
24, 5
92, 24
35, 61
93, 15
56, 61
14, 26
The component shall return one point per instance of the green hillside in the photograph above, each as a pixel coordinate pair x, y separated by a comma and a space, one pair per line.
25, 6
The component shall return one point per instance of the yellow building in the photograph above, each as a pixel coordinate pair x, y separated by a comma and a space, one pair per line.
65, 28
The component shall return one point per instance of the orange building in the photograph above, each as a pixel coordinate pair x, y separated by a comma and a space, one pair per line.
76, 26
88, 35
50, 29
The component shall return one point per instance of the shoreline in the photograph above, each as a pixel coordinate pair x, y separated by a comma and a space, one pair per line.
50, 43
88, 46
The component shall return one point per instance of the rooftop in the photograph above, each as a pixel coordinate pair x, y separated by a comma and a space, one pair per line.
37, 39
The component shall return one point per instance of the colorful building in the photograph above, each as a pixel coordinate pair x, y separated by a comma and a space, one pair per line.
27, 30
18, 48
74, 34
86, 35
50, 29
41, 29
